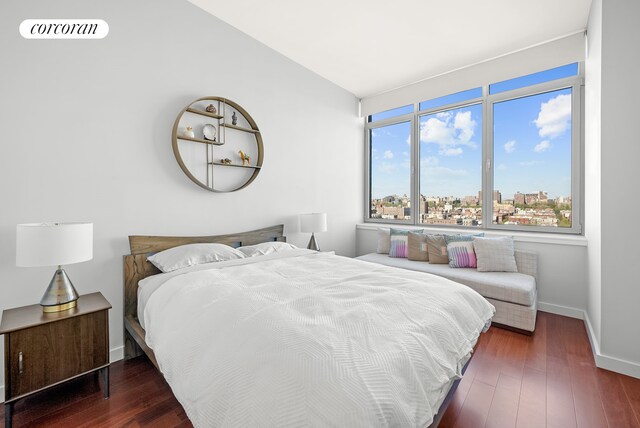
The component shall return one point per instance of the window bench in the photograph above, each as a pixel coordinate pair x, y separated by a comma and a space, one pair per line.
513, 294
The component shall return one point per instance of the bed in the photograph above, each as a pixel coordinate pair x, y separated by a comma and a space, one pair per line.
300, 338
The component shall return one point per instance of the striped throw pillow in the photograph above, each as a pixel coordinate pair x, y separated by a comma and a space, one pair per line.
400, 242
461, 252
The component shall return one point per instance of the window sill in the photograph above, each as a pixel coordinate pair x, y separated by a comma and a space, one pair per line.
541, 238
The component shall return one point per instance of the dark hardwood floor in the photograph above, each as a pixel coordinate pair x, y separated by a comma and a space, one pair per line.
548, 379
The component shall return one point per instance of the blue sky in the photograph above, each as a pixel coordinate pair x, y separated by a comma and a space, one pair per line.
532, 150
532, 144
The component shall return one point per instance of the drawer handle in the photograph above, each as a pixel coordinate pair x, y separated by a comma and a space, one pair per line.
20, 362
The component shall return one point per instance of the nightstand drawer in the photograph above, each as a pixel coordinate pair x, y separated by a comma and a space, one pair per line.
49, 353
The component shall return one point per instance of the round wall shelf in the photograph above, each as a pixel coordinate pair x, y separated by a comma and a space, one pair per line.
217, 144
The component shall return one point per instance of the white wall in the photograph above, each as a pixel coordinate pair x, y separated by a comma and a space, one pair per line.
593, 205
612, 153
620, 153
86, 129
561, 282
526, 61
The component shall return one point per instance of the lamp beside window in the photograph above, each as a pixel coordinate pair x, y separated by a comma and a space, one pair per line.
55, 244
313, 223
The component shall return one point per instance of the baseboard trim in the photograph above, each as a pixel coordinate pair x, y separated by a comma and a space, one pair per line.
608, 362
115, 354
566, 311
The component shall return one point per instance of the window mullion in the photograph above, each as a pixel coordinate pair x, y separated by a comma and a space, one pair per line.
487, 160
415, 168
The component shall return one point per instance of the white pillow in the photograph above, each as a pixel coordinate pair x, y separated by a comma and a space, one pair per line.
193, 254
384, 240
495, 254
266, 248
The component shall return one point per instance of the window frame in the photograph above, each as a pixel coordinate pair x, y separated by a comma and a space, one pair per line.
409, 117
461, 104
576, 83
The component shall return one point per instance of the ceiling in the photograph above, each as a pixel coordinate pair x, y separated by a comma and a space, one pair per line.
371, 46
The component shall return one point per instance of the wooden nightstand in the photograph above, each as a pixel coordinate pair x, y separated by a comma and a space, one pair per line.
45, 349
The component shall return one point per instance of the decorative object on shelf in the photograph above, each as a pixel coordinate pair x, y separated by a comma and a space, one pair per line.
55, 244
188, 132
312, 223
209, 132
211, 109
245, 158
217, 174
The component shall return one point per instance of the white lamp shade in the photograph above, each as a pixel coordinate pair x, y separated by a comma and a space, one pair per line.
52, 244
311, 223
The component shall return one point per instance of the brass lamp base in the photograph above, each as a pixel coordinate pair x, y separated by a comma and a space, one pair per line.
59, 308
60, 295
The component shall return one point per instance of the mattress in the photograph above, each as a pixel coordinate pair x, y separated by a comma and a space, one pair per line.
309, 339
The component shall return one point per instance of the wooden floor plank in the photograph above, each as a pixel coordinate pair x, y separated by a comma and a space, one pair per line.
503, 412
536, 353
586, 398
532, 405
476, 406
617, 407
631, 388
560, 406
547, 379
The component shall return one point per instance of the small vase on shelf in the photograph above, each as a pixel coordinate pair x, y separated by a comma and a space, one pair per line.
188, 132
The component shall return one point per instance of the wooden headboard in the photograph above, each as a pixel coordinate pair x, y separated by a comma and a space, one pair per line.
136, 268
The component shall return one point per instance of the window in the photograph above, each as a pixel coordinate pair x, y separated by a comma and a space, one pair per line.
451, 99
390, 172
511, 147
391, 113
450, 166
532, 157
535, 78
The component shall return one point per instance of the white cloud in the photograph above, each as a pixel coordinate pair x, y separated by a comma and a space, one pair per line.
405, 154
531, 163
430, 167
442, 172
465, 125
510, 146
502, 167
409, 140
543, 146
429, 161
387, 167
451, 151
447, 130
554, 117
388, 154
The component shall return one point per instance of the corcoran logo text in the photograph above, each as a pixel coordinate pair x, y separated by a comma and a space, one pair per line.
64, 29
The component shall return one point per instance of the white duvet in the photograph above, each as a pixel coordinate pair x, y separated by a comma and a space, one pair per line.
313, 340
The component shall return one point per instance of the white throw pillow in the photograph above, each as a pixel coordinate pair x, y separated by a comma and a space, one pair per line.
384, 240
193, 254
265, 248
495, 254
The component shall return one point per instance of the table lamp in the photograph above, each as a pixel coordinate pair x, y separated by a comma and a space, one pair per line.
312, 223
55, 244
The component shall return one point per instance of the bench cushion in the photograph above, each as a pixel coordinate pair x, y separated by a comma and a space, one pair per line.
511, 287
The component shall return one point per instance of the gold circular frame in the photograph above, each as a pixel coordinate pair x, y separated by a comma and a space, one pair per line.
254, 130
